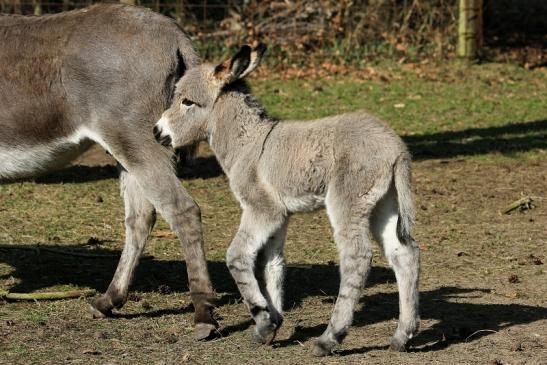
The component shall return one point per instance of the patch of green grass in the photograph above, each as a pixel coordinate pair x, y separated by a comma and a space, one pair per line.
34, 315
469, 110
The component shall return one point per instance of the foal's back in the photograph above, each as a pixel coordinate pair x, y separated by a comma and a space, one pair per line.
303, 157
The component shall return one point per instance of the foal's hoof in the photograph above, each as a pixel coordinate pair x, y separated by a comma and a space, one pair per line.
397, 345
98, 308
204, 331
321, 348
264, 339
264, 334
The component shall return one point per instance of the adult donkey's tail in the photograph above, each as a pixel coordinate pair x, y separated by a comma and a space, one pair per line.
186, 50
402, 178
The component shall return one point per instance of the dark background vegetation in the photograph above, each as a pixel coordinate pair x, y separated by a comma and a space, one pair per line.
306, 32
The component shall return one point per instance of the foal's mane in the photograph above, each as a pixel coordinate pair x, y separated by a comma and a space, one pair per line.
241, 87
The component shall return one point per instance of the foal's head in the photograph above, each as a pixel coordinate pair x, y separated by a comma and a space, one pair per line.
187, 121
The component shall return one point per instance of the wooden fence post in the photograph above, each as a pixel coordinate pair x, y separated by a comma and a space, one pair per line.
470, 28
37, 5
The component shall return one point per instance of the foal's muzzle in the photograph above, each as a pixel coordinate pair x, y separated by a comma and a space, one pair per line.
163, 139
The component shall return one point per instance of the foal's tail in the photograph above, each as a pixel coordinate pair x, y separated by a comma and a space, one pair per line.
402, 178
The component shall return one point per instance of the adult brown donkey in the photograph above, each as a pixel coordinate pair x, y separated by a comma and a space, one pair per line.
103, 74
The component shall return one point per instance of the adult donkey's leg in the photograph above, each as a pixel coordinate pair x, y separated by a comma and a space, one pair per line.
149, 163
140, 217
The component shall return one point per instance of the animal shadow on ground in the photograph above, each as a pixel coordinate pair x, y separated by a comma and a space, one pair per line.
456, 318
508, 138
199, 167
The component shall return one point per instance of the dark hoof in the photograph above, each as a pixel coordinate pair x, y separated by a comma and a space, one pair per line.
205, 331
321, 348
100, 307
97, 314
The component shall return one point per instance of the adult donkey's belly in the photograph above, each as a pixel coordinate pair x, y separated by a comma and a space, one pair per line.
35, 125
27, 161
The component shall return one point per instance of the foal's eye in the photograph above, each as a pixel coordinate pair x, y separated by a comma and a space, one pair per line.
188, 102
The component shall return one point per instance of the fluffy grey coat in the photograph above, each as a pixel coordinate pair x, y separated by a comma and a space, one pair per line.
353, 164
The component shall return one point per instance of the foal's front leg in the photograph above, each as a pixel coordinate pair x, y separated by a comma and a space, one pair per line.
254, 231
271, 264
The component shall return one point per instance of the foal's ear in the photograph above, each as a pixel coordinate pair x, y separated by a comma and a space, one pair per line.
239, 66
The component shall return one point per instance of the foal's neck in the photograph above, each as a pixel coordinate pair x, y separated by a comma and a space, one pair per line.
240, 128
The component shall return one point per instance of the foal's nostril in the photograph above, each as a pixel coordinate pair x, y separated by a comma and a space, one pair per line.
166, 141
157, 132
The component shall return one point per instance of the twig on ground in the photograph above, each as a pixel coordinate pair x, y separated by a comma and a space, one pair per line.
523, 203
48, 295
479, 331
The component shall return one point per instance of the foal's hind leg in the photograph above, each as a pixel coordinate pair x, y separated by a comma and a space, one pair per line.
350, 222
254, 232
404, 258
140, 217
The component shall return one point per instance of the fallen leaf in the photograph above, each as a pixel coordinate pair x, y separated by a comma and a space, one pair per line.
185, 357
91, 352
164, 233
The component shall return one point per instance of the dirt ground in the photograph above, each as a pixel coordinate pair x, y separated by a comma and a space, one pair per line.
483, 287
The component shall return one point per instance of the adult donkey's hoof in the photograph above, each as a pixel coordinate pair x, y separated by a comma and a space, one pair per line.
99, 308
204, 331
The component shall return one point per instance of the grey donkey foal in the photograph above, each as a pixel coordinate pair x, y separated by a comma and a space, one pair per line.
353, 164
